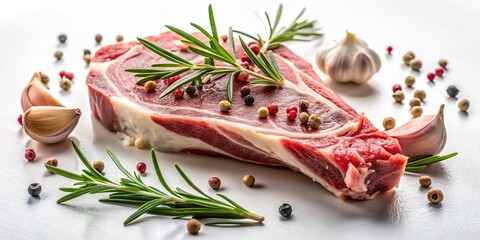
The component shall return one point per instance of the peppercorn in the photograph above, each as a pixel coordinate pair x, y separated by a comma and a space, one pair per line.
193, 226
44, 78
388, 123
398, 96
262, 112
140, 143
62, 37
249, 99
242, 76
178, 93
396, 87
443, 63
292, 108
314, 121
214, 182
98, 38
87, 58
191, 90
20, 119
244, 58
150, 86
452, 91
285, 210
416, 64
389, 50
65, 84
304, 105
431, 76
30, 154
409, 81
415, 102
420, 94
245, 90
303, 117
255, 48
58, 55
292, 115
416, 111
439, 71
86, 51
463, 105
224, 38
99, 165
62, 73
35, 189
248, 180
272, 109
69, 76
52, 162
435, 195
119, 38
251, 43
425, 181
141, 167
408, 57
224, 106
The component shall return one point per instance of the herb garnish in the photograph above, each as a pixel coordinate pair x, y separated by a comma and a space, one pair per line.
214, 51
417, 165
132, 190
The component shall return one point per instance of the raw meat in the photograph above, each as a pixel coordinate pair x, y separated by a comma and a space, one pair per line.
347, 154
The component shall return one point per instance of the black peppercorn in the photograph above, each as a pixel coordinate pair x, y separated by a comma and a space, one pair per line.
62, 37
190, 90
34, 189
249, 100
285, 210
245, 91
86, 51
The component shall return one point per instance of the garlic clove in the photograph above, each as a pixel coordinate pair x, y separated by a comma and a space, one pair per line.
50, 124
422, 136
36, 94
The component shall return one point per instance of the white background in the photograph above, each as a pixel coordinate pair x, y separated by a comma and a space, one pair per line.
433, 29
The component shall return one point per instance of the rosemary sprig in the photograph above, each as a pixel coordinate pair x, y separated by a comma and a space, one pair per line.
212, 51
418, 165
133, 191
297, 31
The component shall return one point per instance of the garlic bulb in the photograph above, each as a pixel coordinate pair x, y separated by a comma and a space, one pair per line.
50, 124
36, 94
348, 60
425, 135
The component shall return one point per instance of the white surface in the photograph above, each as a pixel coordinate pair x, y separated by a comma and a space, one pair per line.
433, 29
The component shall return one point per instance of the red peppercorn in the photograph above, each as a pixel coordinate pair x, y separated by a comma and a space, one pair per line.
439, 71
178, 93
272, 109
252, 42
244, 58
245, 65
292, 115
183, 47
242, 76
396, 87
171, 80
69, 76
389, 49
30, 154
20, 119
224, 38
292, 108
141, 167
255, 48
62, 73
431, 76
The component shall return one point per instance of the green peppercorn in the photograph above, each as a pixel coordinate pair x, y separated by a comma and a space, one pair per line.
119, 38
416, 64
304, 105
44, 78
415, 102
463, 105
150, 86
58, 55
420, 94
98, 38
407, 57
398, 96
87, 58
409, 81
314, 121
435, 195
248, 180
443, 63
303, 117
99, 166
263, 112
190, 90
65, 84
416, 111
388, 123
425, 181
193, 226
224, 106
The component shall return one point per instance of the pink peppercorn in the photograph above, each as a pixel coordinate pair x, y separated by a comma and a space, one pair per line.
244, 58
242, 76
224, 38
389, 50
20, 119
255, 48
272, 109
171, 80
62, 73
439, 71
292, 115
141, 167
397, 87
178, 93
251, 43
69, 76
431, 76
30, 154
292, 108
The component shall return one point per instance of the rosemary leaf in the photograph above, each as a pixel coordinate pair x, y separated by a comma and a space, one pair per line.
144, 209
164, 53
230, 86
212, 22
182, 81
431, 160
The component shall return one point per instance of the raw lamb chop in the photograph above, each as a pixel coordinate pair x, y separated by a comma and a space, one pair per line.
346, 154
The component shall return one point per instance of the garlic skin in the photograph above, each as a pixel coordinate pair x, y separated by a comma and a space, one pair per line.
422, 136
348, 60
36, 94
50, 124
